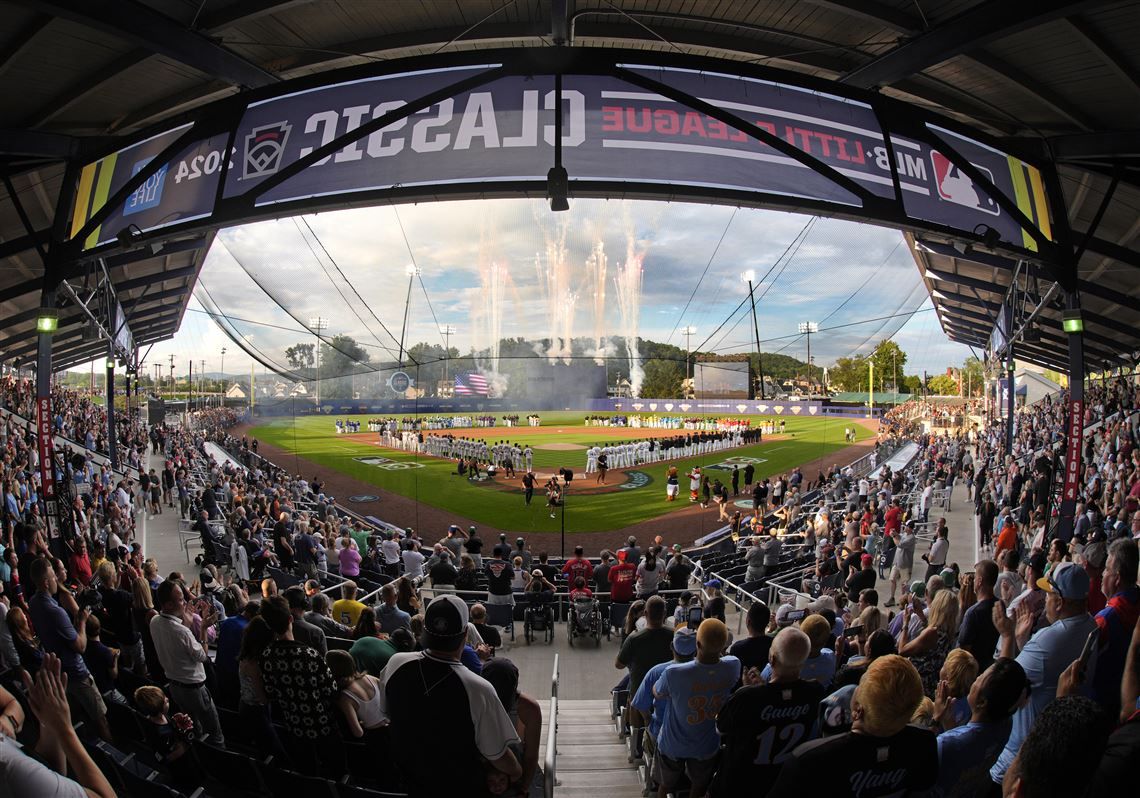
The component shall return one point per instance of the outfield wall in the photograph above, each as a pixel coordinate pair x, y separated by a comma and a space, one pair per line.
305, 407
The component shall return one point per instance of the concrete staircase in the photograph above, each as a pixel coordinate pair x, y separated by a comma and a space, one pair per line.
592, 760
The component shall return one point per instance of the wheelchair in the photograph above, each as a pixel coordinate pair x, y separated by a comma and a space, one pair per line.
538, 617
585, 621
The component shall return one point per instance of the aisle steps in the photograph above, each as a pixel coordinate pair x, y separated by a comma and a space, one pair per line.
592, 760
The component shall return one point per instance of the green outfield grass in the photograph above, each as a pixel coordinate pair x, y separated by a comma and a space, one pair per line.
432, 481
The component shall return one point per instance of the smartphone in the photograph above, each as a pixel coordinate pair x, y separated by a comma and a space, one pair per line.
1087, 651
693, 619
795, 616
853, 630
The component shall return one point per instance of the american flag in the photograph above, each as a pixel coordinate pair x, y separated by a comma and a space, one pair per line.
470, 384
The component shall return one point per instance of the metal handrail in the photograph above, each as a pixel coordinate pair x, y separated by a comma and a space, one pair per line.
550, 781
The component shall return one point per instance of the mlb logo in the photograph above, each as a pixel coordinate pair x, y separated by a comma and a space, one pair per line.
955, 186
149, 194
264, 148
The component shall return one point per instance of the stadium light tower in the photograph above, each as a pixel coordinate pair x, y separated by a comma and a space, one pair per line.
749, 277
807, 328
316, 324
446, 330
688, 331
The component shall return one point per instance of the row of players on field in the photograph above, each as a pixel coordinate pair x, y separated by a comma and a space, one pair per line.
515, 457
419, 423
669, 422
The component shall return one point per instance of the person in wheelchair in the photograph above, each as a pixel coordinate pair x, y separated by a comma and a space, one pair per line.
585, 605
539, 595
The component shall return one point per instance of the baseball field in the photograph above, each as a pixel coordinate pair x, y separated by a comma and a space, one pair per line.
630, 497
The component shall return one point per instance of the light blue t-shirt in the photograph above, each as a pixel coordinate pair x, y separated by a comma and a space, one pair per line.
965, 754
817, 669
645, 702
694, 692
1044, 659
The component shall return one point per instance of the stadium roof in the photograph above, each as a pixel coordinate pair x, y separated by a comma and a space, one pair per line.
1061, 77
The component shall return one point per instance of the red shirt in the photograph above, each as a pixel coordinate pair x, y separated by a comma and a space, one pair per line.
892, 519
579, 566
622, 579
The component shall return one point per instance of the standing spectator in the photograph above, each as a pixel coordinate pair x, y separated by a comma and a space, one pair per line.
430, 695
695, 692
526, 714
753, 651
358, 699
389, 617
966, 752
349, 558
645, 648
1048, 652
904, 557
303, 631
622, 579
929, 647
1116, 622
763, 722
301, 686
347, 609
226, 658
413, 561
67, 641
936, 558
881, 755
182, 654
978, 634
578, 566
602, 572
1060, 752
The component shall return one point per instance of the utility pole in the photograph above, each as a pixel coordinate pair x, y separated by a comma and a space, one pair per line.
688, 331
316, 324
222, 401
172, 376
447, 330
748, 277
807, 328
412, 270
871, 388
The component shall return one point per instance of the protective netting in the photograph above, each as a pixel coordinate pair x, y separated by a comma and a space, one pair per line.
504, 298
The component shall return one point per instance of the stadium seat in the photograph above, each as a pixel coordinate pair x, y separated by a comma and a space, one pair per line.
338, 643
279, 781
229, 772
502, 615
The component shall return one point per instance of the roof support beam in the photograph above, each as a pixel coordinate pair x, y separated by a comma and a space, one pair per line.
1107, 53
874, 12
972, 29
169, 248
1108, 145
1111, 250
144, 27
22, 40
157, 277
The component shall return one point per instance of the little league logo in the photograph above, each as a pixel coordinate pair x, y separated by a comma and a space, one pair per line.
386, 464
264, 148
636, 479
731, 462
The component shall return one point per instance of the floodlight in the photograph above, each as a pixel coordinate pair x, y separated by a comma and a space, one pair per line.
558, 188
47, 321
808, 327
1072, 322
748, 276
411, 270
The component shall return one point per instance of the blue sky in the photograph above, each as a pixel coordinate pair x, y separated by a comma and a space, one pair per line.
515, 268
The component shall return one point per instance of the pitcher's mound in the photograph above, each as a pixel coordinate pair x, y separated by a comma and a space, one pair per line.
560, 447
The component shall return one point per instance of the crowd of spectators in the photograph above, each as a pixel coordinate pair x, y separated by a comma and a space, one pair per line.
301, 632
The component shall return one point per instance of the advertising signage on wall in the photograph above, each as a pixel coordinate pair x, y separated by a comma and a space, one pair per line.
613, 131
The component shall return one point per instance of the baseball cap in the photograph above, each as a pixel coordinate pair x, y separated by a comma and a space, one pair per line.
445, 623
866, 559
676, 547
918, 588
685, 642
1037, 562
621, 555
1067, 580
713, 583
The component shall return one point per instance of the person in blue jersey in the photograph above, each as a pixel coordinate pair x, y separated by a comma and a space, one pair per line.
695, 691
966, 752
649, 709
763, 722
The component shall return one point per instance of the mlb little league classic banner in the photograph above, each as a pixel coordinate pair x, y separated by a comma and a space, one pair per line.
613, 131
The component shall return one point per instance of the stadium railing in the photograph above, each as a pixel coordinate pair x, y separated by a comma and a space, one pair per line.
550, 771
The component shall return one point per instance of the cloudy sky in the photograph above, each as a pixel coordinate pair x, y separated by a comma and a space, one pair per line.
513, 268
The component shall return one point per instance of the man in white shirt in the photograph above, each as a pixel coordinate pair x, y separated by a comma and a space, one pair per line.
182, 656
413, 561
